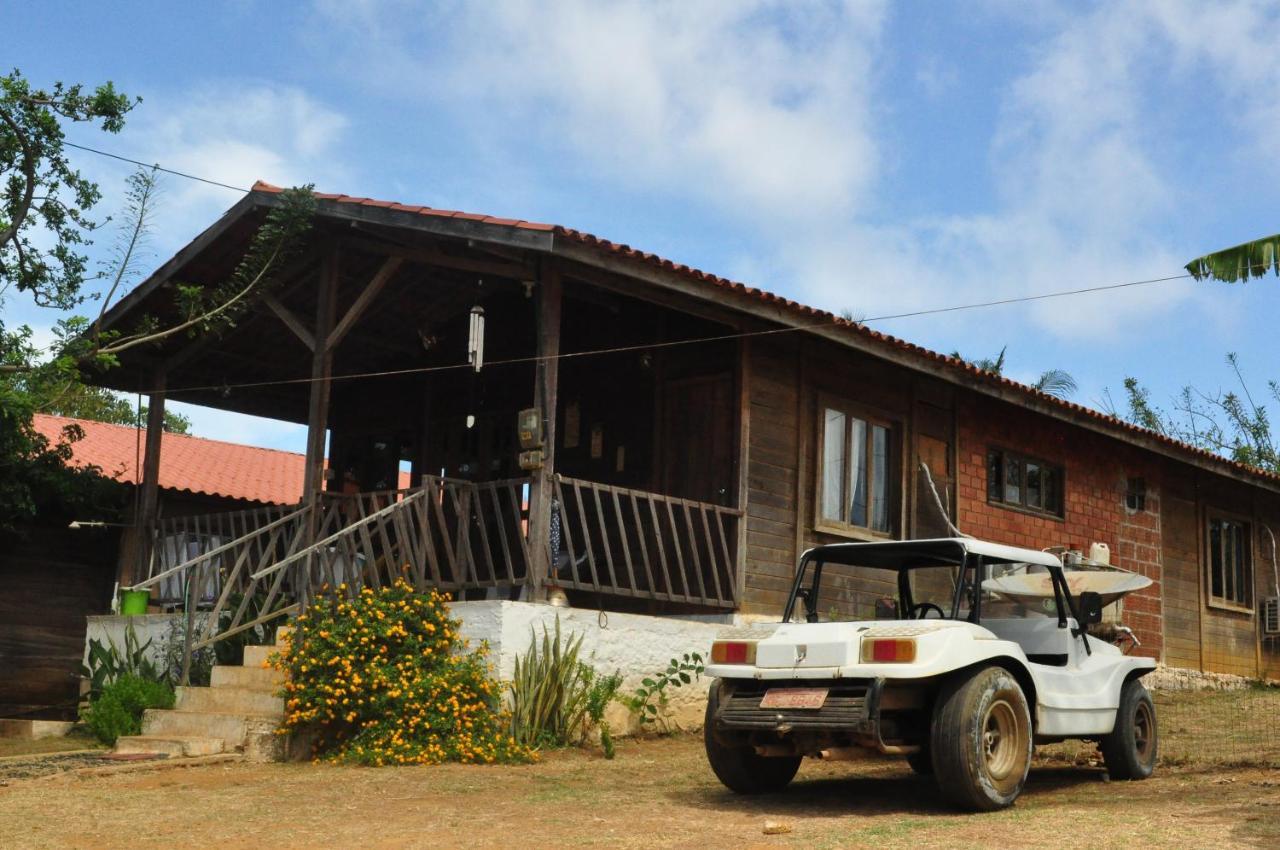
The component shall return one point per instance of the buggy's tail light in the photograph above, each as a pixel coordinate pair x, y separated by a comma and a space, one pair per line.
888, 650
733, 652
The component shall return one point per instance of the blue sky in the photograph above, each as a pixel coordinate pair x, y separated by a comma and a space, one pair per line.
873, 157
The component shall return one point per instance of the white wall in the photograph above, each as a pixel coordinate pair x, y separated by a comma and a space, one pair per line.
635, 644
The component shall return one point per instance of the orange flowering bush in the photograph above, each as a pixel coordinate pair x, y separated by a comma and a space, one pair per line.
383, 678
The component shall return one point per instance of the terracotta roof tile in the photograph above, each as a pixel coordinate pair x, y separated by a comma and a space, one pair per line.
194, 464
825, 317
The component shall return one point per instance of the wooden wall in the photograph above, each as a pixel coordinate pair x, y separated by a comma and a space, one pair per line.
788, 379
52, 578
1182, 573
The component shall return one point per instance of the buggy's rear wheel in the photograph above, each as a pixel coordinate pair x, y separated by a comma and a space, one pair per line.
981, 740
741, 768
1131, 748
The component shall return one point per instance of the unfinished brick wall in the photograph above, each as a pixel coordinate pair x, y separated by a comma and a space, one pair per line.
1096, 475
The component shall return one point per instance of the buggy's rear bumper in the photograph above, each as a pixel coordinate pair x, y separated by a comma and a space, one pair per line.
852, 707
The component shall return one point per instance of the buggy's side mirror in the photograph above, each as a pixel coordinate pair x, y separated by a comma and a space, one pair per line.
1089, 607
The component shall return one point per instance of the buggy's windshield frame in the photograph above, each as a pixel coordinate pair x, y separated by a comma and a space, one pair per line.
970, 557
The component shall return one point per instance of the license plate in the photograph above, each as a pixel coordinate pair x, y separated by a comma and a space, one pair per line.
794, 698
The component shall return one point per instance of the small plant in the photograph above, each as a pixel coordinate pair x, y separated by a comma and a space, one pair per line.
118, 709
652, 699
107, 662
549, 690
202, 659
383, 678
230, 651
601, 691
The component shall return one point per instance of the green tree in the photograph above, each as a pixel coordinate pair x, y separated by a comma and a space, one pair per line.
45, 229
1231, 423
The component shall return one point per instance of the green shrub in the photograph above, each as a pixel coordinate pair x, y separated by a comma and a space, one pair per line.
118, 709
383, 678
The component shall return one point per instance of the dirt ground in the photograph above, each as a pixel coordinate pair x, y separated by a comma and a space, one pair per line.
657, 793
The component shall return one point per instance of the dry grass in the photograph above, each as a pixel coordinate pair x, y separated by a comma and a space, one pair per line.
25, 747
657, 793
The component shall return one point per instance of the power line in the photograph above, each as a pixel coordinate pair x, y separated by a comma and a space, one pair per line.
651, 346
156, 167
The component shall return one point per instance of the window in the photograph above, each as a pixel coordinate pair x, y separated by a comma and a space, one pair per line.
855, 481
1230, 563
1025, 483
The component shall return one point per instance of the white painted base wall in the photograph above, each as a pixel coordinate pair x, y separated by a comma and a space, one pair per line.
636, 644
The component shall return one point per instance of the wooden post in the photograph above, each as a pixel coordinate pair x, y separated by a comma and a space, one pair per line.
546, 380
318, 410
150, 502
739, 564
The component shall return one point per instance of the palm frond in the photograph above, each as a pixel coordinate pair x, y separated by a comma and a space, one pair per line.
1056, 382
1239, 263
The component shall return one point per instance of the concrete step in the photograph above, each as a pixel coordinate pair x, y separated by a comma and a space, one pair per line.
256, 656
253, 678
229, 700
230, 728
174, 746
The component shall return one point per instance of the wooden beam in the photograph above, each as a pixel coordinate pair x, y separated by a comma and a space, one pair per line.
432, 256
321, 374
291, 321
545, 388
364, 299
150, 500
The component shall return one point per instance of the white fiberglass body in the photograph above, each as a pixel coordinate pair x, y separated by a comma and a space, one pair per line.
1075, 699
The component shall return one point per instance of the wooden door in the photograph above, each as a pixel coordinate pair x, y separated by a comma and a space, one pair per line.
699, 439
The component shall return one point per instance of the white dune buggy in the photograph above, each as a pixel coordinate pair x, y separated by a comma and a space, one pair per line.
978, 651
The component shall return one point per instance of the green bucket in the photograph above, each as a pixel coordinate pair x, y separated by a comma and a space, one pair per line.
134, 602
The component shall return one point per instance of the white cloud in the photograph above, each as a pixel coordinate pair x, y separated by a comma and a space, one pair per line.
762, 105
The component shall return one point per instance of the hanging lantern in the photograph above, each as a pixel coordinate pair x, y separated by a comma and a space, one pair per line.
475, 339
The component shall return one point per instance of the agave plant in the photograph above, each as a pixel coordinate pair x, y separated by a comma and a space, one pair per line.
549, 690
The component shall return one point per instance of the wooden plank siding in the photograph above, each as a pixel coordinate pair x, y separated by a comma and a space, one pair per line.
772, 475
52, 578
1182, 575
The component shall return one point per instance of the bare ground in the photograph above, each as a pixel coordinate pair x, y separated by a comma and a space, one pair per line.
657, 793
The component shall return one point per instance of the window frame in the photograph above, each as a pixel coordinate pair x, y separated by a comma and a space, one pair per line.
872, 418
1222, 602
1023, 459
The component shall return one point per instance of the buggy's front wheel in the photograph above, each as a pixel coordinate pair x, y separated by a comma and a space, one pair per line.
1130, 749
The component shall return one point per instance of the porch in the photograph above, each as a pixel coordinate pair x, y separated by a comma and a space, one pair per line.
563, 429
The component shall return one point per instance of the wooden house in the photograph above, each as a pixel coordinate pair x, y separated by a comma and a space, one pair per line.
644, 436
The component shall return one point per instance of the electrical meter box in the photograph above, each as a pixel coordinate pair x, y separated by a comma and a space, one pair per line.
529, 426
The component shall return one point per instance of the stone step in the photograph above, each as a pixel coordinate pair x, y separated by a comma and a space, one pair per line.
256, 656
174, 746
229, 700
230, 728
253, 678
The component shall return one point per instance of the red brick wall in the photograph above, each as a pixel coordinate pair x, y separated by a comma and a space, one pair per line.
1096, 475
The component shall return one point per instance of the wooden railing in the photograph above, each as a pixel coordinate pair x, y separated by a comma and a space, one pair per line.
634, 543
448, 534
181, 540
